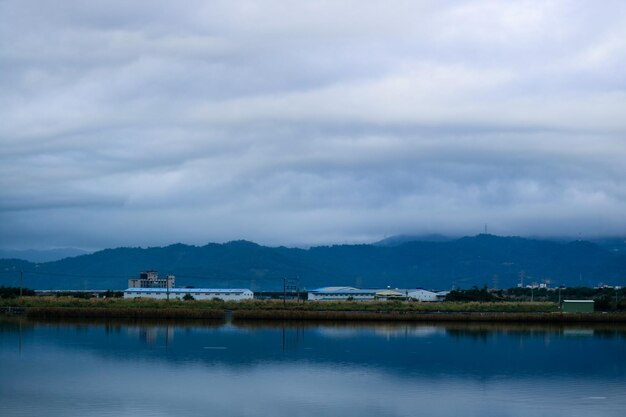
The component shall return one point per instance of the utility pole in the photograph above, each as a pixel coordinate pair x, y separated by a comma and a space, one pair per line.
295, 287
291, 285
21, 282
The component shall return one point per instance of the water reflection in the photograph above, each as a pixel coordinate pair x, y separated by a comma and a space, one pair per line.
157, 368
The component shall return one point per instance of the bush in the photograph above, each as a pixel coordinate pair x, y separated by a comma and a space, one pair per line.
13, 292
473, 294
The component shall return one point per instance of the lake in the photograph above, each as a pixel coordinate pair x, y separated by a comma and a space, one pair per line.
313, 369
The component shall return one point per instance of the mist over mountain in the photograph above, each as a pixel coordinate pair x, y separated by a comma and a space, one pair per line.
401, 239
479, 260
49, 255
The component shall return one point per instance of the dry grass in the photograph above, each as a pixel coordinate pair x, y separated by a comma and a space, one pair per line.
273, 305
522, 312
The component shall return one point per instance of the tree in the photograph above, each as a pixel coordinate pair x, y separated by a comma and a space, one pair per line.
13, 292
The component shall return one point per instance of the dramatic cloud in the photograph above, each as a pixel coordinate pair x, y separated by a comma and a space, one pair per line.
150, 122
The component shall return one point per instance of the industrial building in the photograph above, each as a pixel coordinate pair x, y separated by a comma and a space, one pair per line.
341, 293
149, 285
226, 294
350, 293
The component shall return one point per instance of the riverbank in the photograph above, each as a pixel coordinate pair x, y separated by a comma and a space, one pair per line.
277, 305
116, 308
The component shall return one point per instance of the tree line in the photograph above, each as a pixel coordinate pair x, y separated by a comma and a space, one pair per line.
606, 299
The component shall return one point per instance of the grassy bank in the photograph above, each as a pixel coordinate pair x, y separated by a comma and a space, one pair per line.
69, 307
274, 305
394, 306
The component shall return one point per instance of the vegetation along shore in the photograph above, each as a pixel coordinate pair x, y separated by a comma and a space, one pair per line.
72, 307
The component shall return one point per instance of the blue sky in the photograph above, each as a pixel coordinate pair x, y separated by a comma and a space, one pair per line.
298, 123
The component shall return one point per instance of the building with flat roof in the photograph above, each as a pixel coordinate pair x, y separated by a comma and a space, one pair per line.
226, 294
149, 285
150, 279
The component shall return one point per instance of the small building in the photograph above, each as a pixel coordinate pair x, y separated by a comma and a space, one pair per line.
226, 294
150, 279
421, 294
390, 295
577, 306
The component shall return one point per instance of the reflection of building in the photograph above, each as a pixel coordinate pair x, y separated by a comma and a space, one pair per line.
226, 294
150, 279
153, 334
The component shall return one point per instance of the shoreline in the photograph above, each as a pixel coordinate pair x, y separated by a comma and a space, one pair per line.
348, 311
443, 316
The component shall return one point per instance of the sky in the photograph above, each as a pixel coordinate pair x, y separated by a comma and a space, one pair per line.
145, 123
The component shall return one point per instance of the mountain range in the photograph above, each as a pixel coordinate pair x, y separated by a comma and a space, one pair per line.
49, 255
433, 262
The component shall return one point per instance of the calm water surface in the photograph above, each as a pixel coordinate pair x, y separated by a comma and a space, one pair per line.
205, 369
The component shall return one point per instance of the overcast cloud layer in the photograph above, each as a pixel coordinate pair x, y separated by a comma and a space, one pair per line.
152, 122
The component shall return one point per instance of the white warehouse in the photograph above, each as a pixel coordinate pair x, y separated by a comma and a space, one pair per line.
350, 293
341, 293
226, 294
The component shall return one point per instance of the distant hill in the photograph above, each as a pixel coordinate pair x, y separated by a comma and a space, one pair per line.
36, 256
613, 244
464, 262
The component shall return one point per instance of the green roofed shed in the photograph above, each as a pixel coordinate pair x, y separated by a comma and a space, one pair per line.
577, 306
